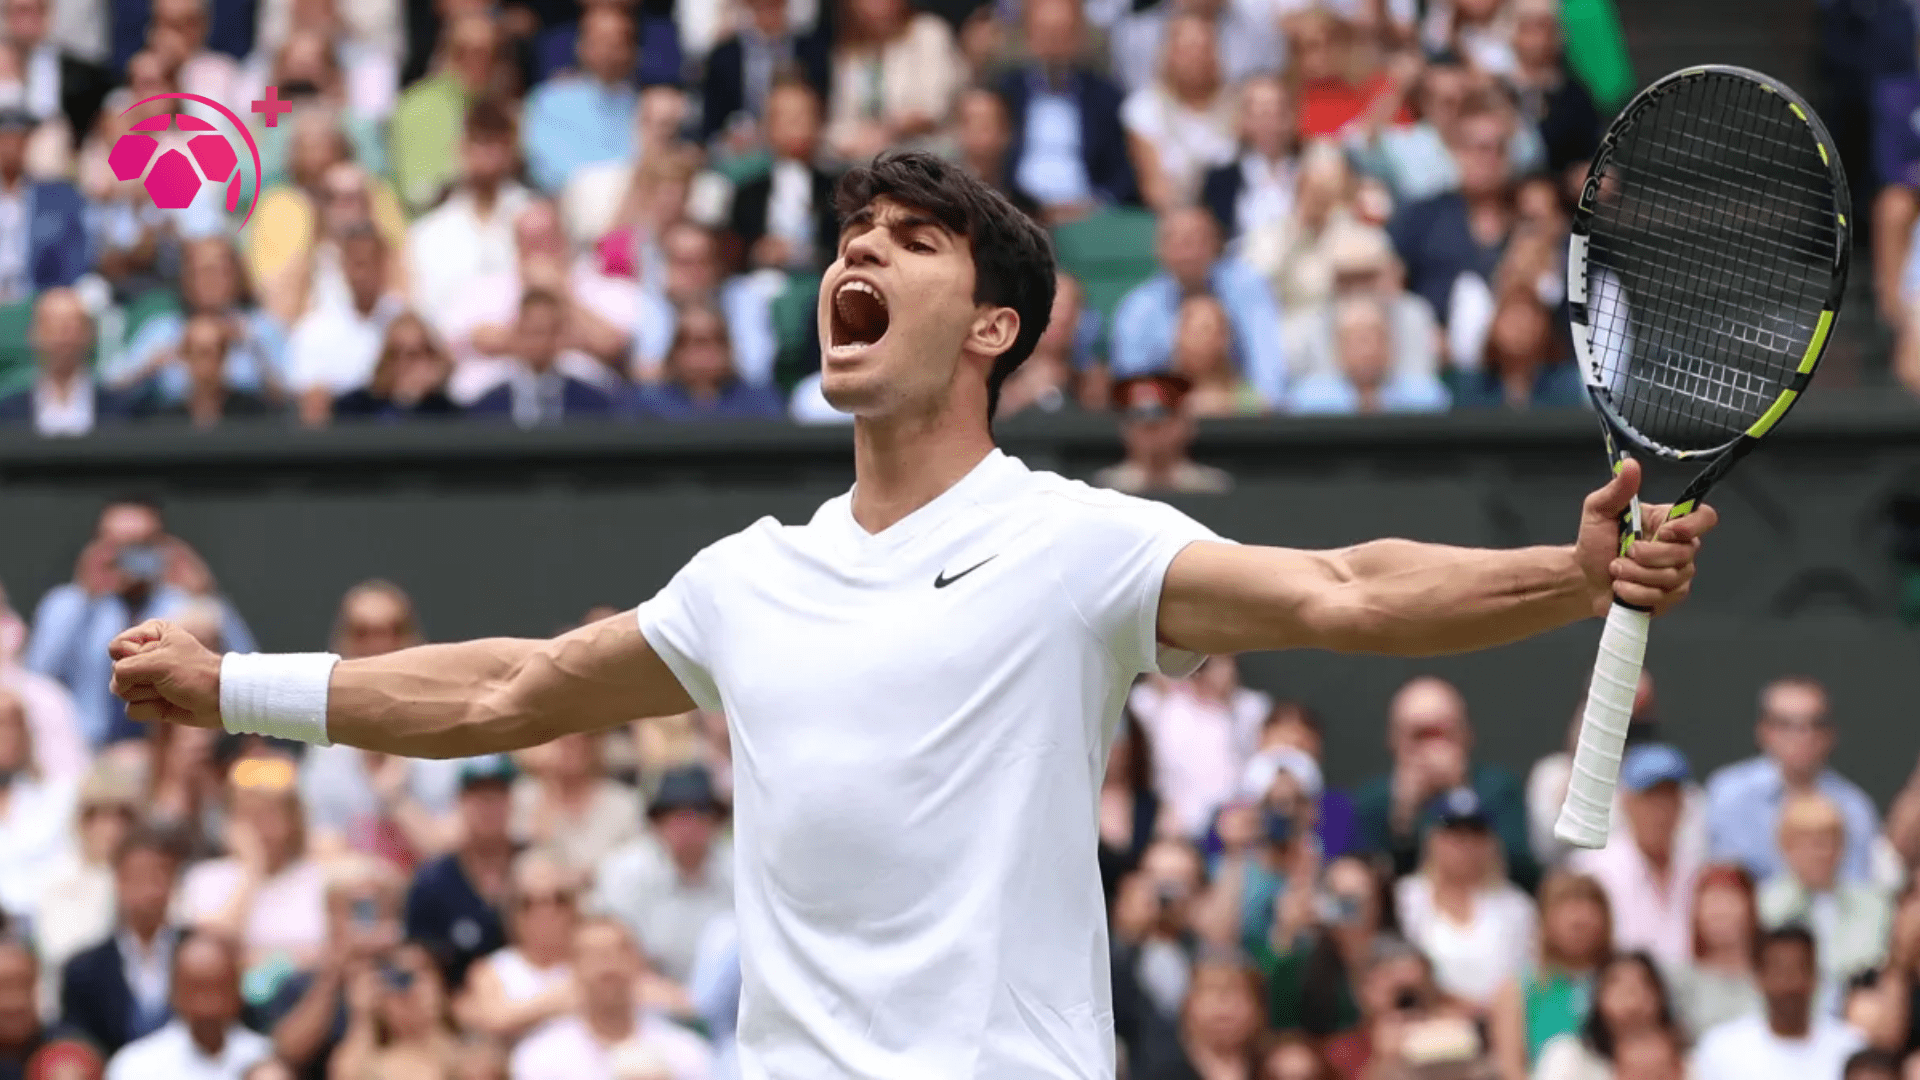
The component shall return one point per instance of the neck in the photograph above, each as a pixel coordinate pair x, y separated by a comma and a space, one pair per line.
144, 934
1798, 782
207, 400
689, 865
365, 304
703, 390
1194, 97
610, 1021
1194, 286
1659, 858
487, 851
1790, 1025
1453, 897
1726, 956
485, 193
1369, 397
64, 382
209, 1038
902, 463
1516, 383
570, 787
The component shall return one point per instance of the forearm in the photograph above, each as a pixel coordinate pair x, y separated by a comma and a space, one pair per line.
353, 1058
298, 1037
231, 919
436, 701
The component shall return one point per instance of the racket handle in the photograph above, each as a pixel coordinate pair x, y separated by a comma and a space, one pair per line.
1585, 818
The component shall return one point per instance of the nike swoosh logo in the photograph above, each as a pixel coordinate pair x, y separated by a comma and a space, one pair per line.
941, 580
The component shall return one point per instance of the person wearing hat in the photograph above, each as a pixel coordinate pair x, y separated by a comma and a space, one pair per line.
456, 899
1649, 869
76, 903
51, 245
1269, 841
666, 885
1157, 433
1460, 871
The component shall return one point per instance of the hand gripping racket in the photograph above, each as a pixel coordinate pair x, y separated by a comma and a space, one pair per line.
1708, 255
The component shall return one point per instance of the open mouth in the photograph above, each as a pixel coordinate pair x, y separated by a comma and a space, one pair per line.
859, 318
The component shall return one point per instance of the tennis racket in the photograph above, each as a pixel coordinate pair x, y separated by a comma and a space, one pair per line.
1708, 255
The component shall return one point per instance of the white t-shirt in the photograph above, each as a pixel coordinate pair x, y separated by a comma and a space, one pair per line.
170, 1052
1747, 1049
920, 723
1474, 960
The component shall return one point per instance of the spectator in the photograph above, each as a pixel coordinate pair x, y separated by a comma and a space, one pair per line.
1525, 362
1445, 236
1068, 151
569, 805
76, 901
1458, 908
1718, 984
271, 1068
205, 343
410, 379
667, 884
60, 86
129, 571
1061, 370
1267, 880
205, 1038
428, 121
1154, 945
212, 282
268, 894
983, 141
136, 245
1295, 253
1396, 991
895, 75
66, 1059
1191, 264
629, 191
470, 236
1130, 807
1293, 1056
523, 985
1249, 41
715, 989
1157, 433
1650, 873
1628, 1000
1791, 1040
306, 71
657, 59
309, 1010
1361, 265
738, 80
1431, 740
1368, 380
22, 1032
334, 349
117, 991
178, 35
46, 231
602, 318
36, 814
1204, 728
1479, 30
1220, 1025
701, 382
538, 393
1850, 920
1182, 124
51, 714
65, 399
692, 275
1551, 99
1796, 737
1291, 724
582, 1046
785, 220
455, 901
1871, 1064
1313, 972
1203, 355
1650, 1054
396, 1020
1256, 189
1339, 84
585, 116
1552, 997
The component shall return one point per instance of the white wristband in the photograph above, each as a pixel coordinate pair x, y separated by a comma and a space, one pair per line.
280, 695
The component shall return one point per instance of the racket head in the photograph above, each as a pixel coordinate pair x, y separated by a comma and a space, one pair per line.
1707, 261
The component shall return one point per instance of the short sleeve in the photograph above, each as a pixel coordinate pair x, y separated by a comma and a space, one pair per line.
1112, 559
677, 623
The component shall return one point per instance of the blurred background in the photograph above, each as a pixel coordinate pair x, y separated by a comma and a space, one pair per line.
523, 317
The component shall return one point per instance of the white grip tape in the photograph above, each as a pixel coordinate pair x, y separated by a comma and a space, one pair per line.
280, 695
1585, 818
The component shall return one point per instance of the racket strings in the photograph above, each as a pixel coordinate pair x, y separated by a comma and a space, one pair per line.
1711, 257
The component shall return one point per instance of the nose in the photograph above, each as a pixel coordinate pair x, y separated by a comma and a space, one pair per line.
867, 249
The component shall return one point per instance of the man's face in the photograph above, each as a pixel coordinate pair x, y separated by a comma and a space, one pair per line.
1652, 816
13, 152
62, 334
374, 624
606, 44
693, 270
184, 18
687, 834
1480, 148
1203, 340
1187, 245
143, 883
19, 1004
1795, 729
606, 963
793, 123
1786, 976
1053, 31
1265, 121
1536, 38
896, 313
1364, 346
982, 127
484, 812
26, 22
537, 231
539, 335
364, 263
206, 988
1443, 89
128, 525
1425, 713
1812, 853
472, 50
204, 348
487, 159
769, 16
1174, 870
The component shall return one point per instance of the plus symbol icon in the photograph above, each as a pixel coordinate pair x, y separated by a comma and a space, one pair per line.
273, 106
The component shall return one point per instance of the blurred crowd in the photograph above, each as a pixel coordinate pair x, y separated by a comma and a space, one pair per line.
558, 209
182, 903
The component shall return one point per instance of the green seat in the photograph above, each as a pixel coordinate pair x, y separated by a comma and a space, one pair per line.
16, 346
145, 307
1110, 253
794, 312
745, 167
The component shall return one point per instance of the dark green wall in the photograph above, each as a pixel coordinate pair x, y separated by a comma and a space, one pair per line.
498, 532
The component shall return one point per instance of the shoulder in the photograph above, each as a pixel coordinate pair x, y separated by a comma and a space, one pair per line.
1736, 780
1145, 297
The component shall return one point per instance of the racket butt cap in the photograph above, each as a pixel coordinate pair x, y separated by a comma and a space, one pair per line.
1580, 832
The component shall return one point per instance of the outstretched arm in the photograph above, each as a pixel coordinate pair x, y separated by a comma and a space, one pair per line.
434, 701
1403, 598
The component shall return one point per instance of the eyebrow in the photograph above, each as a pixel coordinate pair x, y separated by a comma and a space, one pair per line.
908, 221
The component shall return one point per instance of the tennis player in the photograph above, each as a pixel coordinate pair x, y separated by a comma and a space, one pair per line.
923, 681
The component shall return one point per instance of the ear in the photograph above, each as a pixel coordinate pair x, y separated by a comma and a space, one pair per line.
993, 332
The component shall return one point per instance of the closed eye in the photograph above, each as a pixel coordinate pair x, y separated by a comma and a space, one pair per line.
920, 247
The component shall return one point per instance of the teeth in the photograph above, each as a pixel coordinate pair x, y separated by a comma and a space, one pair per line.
861, 286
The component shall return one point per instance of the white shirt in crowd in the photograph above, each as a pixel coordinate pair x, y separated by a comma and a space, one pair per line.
148, 970
920, 721
36, 833
1201, 747
1471, 960
172, 1053
1747, 1049
452, 246
337, 346
57, 415
566, 1049
667, 912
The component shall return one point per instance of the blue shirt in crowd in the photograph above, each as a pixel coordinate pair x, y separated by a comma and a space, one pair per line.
1053, 165
1332, 395
1743, 818
1144, 324
575, 121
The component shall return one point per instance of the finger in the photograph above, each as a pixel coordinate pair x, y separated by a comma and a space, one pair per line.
147, 712
144, 636
1612, 500
1691, 526
1648, 597
1657, 577
1658, 553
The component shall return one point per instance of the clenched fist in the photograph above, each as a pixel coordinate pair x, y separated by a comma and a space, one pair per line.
165, 673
